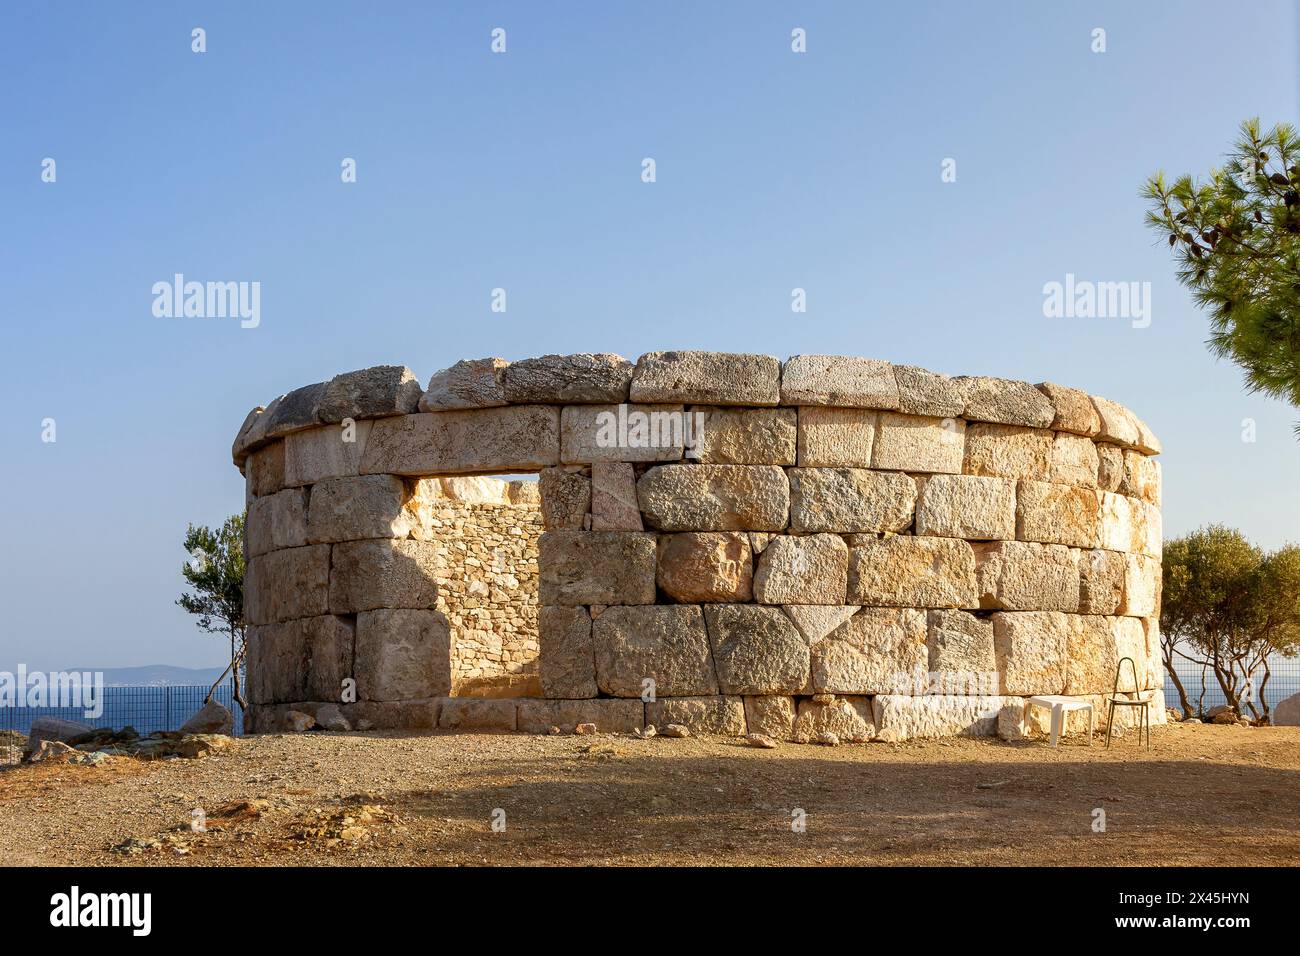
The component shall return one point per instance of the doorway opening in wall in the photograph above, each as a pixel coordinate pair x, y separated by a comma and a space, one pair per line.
486, 529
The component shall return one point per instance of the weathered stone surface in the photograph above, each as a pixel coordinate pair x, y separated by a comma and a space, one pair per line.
706, 567
276, 521
282, 585
382, 572
922, 392
368, 506
849, 500
472, 383
1005, 402
1147, 442
907, 571
294, 411
469, 488
1110, 467
912, 718
724, 716
1074, 461
559, 379
838, 380
478, 714
591, 433
487, 440
1118, 424
772, 716
255, 436
1090, 654
613, 497
715, 497
1072, 409
596, 567
836, 437
1140, 477
960, 651
1286, 713
402, 654
1056, 514
211, 718
665, 643
1008, 451
756, 650
848, 718
1130, 637
1148, 528
264, 469
609, 716
1101, 581
567, 661
243, 445
408, 715
319, 453
522, 491
1141, 586
874, 652
746, 436
304, 659
813, 569
707, 378
1031, 651
815, 621
1022, 576
1115, 525
566, 498
369, 393
967, 506
918, 443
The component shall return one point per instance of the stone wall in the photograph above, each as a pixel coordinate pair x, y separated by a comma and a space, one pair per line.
828, 545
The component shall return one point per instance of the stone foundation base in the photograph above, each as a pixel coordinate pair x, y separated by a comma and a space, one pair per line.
852, 719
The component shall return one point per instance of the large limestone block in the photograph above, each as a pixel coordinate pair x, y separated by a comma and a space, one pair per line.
369, 393
1130, 635
836, 437
907, 571
1141, 477
876, 651
276, 521
282, 585
1074, 461
704, 567
1022, 576
596, 567
334, 451
1073, 410
960, 653
849, 500
408, 715
723, 716
383, 573
1147, 442
1056, 514
918, 443
470, 383
566, 498
967, 506
756, 650
1115, 527
368, 506
838, 380
1091, 654
609, 716
478, 714
561, 379
1141, 586
293, 411
707, 378
567, 659
524, 491
484, 441
613, 497
746, 436
591, 433
715, 497
913, 718
803, 570
303, 659
848, 718
1286, 713
1101, 581
1031, 651
771, 716
922, 392
1118, 424
1005, 402
243, 444
815, 621
1110, 467
1148, 526
666, 644
403, 654
1008, 451
264, 469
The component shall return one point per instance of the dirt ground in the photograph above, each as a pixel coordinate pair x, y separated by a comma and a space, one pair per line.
1202, 795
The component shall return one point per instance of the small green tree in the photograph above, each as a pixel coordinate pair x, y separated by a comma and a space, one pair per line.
1236, 239
215, 572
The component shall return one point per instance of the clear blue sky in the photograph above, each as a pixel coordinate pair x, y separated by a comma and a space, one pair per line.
522, 171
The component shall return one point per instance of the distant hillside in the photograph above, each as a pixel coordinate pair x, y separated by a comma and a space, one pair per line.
155, 675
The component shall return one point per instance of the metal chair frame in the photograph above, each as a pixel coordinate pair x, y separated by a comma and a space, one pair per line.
1116, 701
